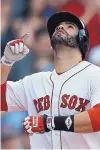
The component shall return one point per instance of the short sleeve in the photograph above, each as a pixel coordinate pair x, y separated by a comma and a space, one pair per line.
95, 88
15, 95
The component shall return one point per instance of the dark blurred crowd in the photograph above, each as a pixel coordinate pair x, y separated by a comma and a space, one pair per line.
19, 17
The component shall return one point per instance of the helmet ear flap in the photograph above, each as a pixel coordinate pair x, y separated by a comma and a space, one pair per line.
83, 42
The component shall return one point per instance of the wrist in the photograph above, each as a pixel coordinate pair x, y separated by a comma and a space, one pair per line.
64, 123
48, 123
6, 61
61, 123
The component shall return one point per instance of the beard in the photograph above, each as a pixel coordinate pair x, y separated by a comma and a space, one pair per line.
65, 39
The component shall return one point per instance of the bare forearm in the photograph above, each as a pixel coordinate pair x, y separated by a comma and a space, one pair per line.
82, 123
4, 73
88, 121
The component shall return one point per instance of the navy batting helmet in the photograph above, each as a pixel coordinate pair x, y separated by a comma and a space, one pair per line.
83, 35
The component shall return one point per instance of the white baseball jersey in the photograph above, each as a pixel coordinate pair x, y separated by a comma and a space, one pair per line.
74, 91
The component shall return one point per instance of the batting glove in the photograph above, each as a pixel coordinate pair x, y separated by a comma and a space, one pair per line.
38, 124
14, 51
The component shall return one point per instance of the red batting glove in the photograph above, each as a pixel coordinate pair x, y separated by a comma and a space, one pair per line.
34, 124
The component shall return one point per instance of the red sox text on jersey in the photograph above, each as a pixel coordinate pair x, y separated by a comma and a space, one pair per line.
67, 101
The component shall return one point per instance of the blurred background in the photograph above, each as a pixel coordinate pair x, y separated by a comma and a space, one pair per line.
12, 134
21, 16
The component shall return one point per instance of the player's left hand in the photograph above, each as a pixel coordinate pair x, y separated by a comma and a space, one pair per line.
37, 124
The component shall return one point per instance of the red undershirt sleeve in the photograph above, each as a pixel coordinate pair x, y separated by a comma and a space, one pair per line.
94, 114
3, 97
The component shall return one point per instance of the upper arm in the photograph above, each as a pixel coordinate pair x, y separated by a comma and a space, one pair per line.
15, 95
20, 94
95, 89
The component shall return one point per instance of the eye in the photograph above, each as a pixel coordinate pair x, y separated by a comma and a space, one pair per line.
70, 26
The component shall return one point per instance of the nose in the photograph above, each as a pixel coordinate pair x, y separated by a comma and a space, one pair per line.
59, 27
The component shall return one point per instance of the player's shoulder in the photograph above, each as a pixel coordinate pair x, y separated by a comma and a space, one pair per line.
38, 76
41, 74
93, 70
30, 79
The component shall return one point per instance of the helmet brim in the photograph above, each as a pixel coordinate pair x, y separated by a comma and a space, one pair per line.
59, 17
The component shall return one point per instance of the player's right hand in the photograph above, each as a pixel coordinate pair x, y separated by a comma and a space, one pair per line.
14, 51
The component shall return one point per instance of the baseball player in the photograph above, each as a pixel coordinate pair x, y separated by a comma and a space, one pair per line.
63, 105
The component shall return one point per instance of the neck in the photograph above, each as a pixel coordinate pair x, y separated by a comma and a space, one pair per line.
66, 58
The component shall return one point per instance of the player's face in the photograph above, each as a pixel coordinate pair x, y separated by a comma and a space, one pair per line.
65, 34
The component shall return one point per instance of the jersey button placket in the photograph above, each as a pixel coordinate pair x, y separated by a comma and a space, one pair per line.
55, 102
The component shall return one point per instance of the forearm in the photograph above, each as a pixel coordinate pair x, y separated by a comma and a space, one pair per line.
4, 72
83, 122
14, 51
88, 121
